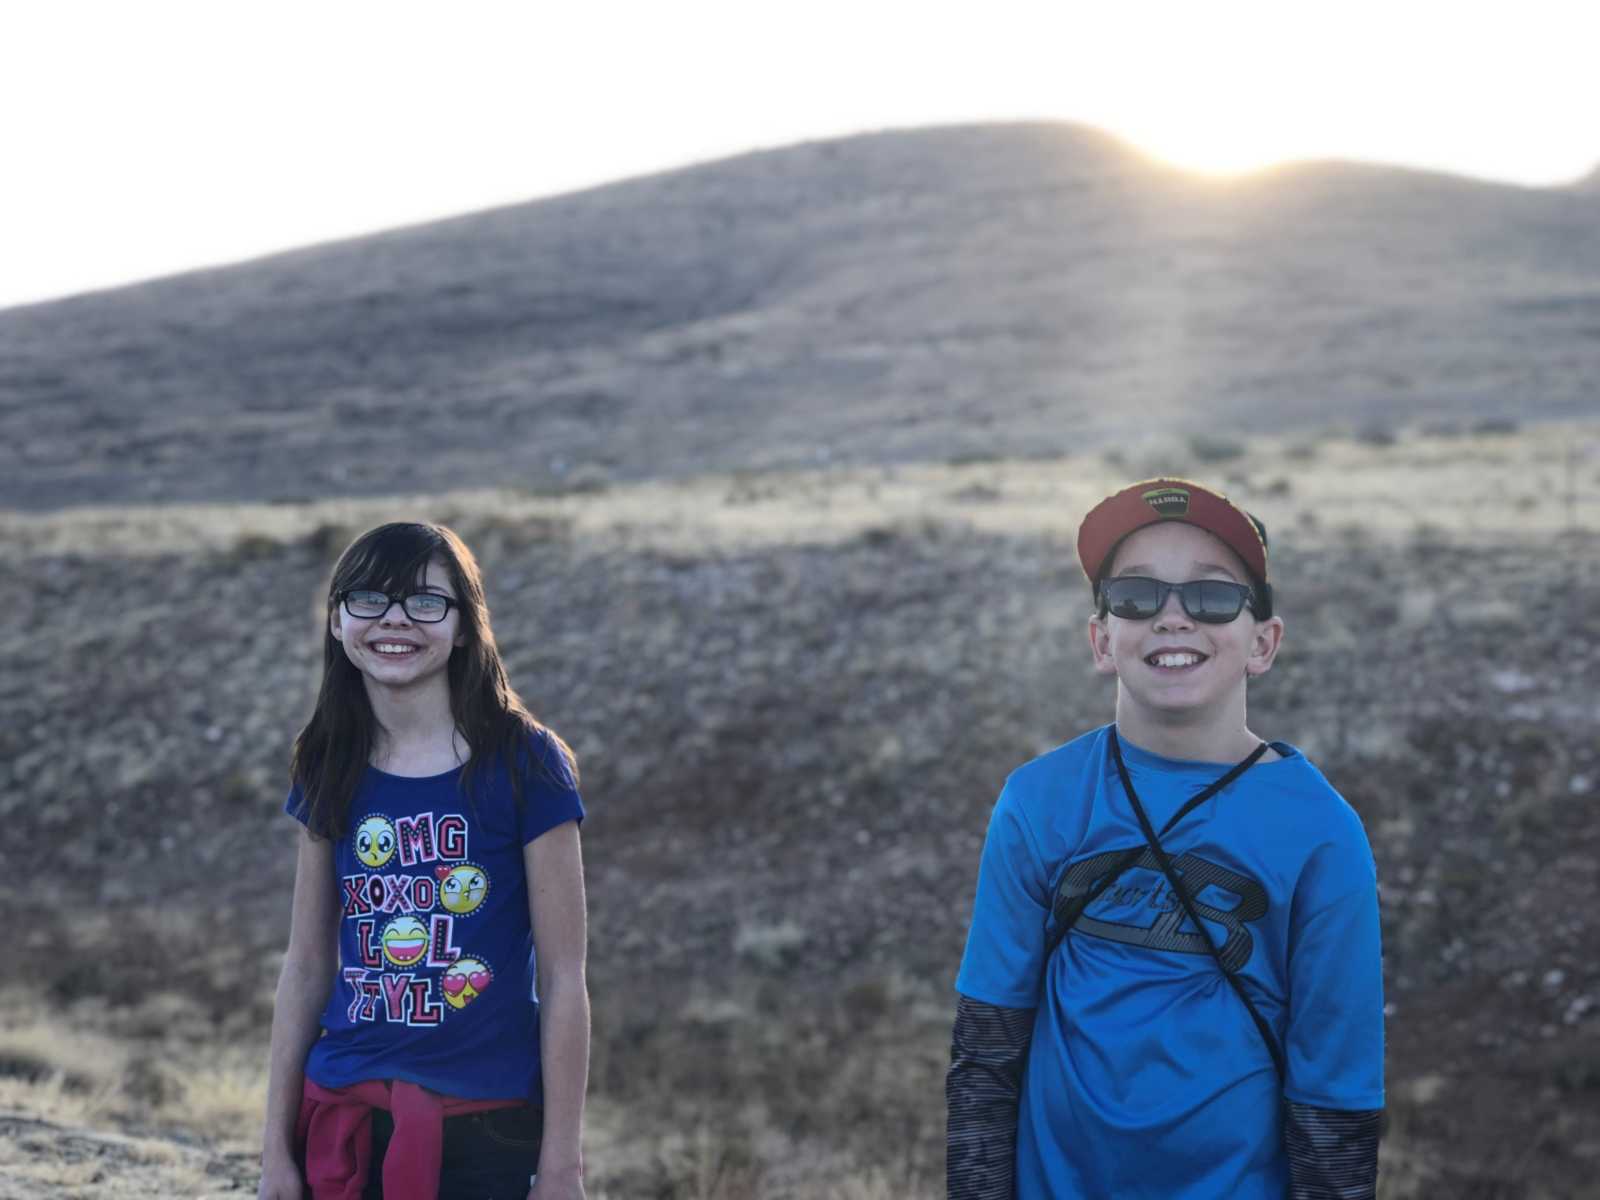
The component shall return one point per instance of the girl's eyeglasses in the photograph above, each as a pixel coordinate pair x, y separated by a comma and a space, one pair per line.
1209, 601
426, 607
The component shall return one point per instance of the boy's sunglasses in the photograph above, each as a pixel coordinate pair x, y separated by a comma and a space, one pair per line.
1209, 601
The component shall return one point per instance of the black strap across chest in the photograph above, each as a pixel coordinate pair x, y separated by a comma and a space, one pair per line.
1068, 910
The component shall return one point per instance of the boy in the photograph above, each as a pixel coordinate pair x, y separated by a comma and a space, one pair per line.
1161, 998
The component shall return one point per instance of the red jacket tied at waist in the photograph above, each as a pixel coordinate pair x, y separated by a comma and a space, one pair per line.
335, 1129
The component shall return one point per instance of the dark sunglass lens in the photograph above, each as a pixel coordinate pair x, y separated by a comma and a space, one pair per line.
1134, 599
1213, 601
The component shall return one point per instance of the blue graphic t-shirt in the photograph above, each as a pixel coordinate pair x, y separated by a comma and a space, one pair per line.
1146, 1076
436, 977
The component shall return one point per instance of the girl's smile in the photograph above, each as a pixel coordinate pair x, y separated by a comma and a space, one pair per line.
390, 646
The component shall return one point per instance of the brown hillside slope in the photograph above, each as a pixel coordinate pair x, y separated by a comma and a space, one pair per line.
946, 293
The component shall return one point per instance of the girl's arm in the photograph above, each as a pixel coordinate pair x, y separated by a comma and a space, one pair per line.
554, 865
303, 987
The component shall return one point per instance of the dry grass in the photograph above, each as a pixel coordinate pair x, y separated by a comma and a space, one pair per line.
1486, 486
39, 1047
158, 1064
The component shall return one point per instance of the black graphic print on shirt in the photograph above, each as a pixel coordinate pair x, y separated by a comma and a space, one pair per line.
1140, 908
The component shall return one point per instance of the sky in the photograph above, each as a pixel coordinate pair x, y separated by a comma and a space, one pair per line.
150, 138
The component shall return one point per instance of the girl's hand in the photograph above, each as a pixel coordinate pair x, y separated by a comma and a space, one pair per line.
564, 1183
280, 1180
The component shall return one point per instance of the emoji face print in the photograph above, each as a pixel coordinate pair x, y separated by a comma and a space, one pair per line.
405, 941
463, 888
375, 841
463, 982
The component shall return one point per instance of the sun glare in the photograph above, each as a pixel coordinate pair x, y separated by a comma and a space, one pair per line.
1213, 114
1242, 85
1211, 152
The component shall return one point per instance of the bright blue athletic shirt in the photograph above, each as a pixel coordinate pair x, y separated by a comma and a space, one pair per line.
1146, 1076
435, 980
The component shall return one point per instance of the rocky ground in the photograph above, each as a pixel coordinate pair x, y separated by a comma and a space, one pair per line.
794, 697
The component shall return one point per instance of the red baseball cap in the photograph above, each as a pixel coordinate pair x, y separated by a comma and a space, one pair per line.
1152, 500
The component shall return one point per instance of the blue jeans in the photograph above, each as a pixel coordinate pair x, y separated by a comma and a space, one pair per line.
487, 1156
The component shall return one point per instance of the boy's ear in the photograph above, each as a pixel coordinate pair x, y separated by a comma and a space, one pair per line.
1100, 646
1264, 647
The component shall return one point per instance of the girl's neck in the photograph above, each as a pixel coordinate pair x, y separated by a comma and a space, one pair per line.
417, 733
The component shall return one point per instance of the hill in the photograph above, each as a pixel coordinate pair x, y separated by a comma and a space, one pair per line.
938, 294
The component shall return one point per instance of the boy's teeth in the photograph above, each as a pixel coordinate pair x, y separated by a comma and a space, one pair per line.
1176, 660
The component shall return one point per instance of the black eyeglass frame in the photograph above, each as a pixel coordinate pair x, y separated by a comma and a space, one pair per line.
1258, 598
449, 603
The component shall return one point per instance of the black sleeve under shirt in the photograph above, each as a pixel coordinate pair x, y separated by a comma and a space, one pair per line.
1333, 1152
988, 1049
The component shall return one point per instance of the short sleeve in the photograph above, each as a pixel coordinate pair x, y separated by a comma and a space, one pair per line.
549, 791
295, 806
1334, 1040
1004, 958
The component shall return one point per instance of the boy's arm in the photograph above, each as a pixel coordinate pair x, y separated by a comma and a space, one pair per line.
1333, 1152
988, 1050
1004, 965
1335, 1042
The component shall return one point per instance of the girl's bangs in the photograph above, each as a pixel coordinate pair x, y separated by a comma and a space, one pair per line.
390, 559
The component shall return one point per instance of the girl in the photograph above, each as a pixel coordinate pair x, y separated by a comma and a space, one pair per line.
440, 832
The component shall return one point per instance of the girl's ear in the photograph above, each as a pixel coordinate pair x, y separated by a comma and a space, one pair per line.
334, 625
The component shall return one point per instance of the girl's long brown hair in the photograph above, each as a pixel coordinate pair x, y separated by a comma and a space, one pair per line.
335, 746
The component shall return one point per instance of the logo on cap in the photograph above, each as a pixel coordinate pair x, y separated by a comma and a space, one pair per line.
1167, 501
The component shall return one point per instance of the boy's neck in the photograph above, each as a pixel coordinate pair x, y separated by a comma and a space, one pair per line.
1220, 736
